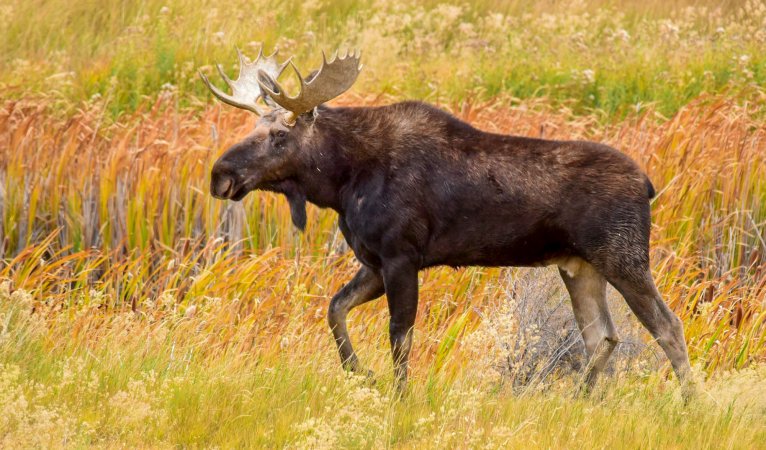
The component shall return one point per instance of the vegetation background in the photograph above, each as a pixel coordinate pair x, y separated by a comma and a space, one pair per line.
137, 311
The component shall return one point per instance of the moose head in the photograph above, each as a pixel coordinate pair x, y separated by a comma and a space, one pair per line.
278, 150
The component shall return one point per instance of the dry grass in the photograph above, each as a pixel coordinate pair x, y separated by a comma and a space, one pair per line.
135, 310
124, 210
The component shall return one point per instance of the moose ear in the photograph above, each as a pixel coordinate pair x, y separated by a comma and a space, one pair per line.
310, 117
272, 85
269, 102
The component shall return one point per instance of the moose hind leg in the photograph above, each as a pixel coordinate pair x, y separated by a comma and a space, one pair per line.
587, 289
645, 301
366, 285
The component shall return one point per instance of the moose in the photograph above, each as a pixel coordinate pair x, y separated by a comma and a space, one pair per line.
415, 187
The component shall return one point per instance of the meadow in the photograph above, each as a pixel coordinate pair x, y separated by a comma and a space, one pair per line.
138, 311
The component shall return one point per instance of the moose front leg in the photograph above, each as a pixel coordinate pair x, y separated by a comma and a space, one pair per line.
366, 285
401, 282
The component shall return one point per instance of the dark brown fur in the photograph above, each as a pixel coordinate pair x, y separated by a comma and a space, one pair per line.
415, 187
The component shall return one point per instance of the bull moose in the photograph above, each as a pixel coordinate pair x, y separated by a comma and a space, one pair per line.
415, 187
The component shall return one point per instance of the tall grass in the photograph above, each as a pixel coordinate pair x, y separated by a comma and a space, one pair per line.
135, 310
159, 380
124, 209
614, 57
193, 321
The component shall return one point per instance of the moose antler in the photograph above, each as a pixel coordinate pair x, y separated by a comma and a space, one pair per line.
332, 79
246, 90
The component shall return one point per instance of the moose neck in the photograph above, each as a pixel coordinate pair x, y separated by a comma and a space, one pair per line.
339, 139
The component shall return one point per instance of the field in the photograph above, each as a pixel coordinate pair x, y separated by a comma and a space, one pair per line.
138, 311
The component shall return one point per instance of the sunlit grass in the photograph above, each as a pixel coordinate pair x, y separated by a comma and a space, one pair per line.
124, 209
138, 311
157, 378
200, 320
613, 57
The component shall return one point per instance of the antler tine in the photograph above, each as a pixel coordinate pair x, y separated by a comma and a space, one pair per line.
244, 61
245, 89
333, 78
223, 74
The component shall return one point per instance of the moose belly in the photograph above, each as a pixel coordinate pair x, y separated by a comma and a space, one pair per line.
497, 245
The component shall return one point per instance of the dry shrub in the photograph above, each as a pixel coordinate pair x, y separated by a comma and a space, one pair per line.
528, 337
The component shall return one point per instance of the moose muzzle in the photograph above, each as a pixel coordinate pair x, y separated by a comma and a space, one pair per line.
222, 181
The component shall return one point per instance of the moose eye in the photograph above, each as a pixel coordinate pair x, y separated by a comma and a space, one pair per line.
281, 133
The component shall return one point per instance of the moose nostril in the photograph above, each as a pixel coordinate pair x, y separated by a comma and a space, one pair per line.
227, 185
223, 187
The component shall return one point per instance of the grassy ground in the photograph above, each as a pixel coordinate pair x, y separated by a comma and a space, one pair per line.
137, 311
155, 384
609, 57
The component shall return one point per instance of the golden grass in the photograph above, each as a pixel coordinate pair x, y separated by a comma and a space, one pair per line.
137, 311
199, 320
124, 209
